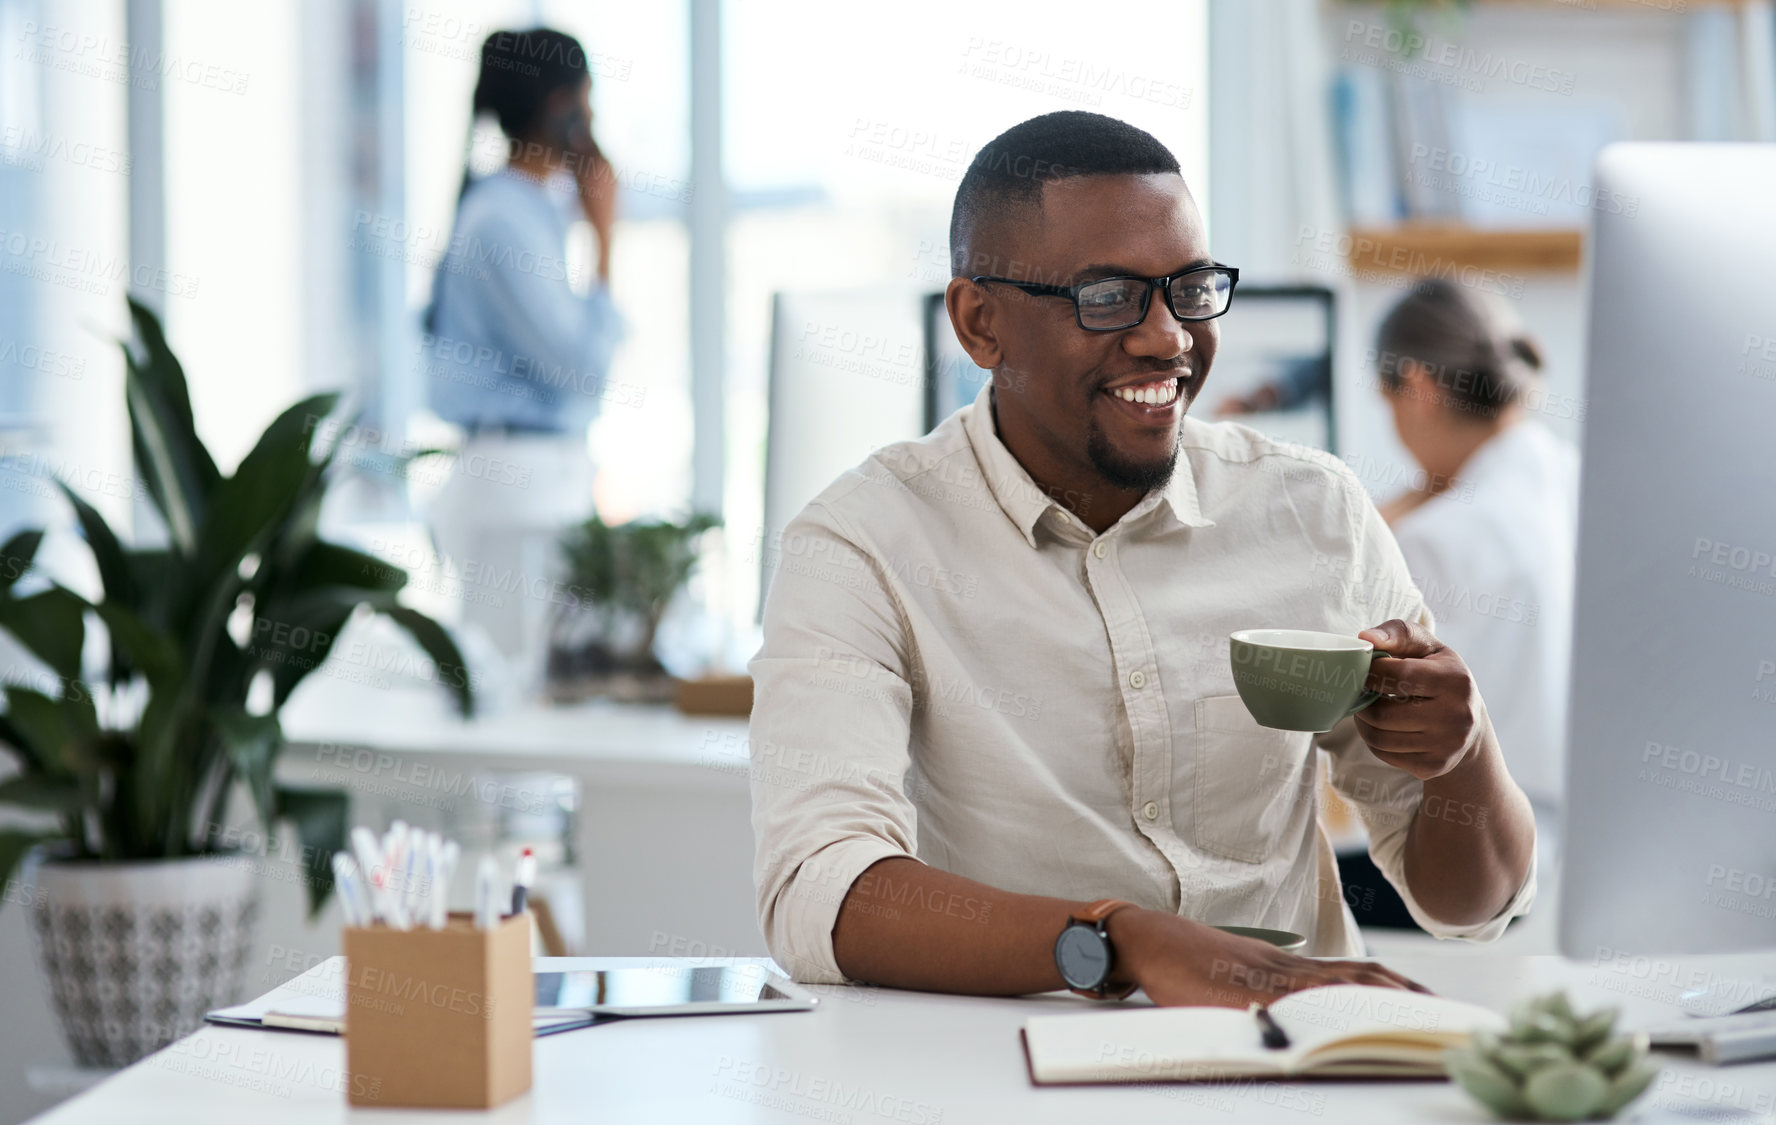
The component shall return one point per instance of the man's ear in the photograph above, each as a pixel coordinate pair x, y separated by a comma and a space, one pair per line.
973, 322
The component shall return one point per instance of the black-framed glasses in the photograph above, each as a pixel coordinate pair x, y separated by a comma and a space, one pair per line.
1110, 304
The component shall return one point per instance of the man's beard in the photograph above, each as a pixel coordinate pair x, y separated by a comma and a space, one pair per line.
1142, 476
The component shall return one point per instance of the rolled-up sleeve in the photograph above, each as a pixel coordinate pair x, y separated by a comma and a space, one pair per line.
1387, 799
829, 738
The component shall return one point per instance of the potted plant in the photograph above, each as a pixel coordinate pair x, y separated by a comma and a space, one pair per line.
142, 913
620, 579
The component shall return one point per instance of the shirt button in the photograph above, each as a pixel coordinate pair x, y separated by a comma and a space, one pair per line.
1100, 550
1137, 679
1150, 811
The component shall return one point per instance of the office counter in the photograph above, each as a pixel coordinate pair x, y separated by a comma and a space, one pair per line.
878, 1055
664, 824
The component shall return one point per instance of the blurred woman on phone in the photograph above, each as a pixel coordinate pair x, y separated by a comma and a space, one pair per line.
519, 341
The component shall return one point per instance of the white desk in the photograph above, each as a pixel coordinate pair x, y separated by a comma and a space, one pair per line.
883, 1056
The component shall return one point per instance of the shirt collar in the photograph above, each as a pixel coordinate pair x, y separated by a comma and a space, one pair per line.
1025, 502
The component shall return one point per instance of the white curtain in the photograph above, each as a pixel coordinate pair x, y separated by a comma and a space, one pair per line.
1271, 170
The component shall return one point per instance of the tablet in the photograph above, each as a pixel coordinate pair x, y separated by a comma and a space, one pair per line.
664, 990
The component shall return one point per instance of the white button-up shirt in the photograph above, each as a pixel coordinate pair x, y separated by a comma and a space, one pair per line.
957, 669
1494, 555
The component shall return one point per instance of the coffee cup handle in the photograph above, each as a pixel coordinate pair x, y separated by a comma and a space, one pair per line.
1367, 697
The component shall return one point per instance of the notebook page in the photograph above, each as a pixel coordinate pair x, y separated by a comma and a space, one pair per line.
1353, 1021
1148, 1044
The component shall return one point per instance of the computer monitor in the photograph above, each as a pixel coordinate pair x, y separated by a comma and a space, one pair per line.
1273, 336
847, 377
1671, 773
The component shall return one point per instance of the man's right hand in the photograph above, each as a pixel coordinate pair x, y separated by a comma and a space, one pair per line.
1177, 961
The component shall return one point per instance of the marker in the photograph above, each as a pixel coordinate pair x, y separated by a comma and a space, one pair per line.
486, 912
396, 858
436, 881
447, 864
354, 896
418, 885
369, 855
523, 878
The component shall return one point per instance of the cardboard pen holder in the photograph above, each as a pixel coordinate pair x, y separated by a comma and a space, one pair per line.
438, 1018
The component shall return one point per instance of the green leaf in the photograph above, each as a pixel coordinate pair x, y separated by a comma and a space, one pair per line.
329, 564
320, 819
1627, 1086
45, 794
17, 556
432, 638
252, 504
108, 553
42, 725
52, 625
453, 671
153, 576
311, 629
13, 846
1566, 1092
164, 463
22, 748
1487, 1084
155, 654
176, 468
252, 743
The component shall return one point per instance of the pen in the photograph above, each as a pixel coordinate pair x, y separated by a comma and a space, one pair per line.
1272, 1034
523, 878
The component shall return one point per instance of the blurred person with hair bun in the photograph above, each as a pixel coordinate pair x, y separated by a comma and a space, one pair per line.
519, 341
1489, 530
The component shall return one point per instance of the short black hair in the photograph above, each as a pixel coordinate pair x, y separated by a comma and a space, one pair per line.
1011, 169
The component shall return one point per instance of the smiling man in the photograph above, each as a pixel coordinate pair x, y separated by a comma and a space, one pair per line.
996, 742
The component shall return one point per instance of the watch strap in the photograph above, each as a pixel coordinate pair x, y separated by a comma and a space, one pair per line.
1100, 911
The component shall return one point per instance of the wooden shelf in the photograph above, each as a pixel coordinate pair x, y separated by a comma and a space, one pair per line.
1417, 248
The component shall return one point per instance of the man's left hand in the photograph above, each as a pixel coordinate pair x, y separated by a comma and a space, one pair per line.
1429, 716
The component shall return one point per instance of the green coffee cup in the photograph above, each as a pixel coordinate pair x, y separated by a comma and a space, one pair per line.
1299, 679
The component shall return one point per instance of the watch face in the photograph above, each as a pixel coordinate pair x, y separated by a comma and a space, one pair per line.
1082, 956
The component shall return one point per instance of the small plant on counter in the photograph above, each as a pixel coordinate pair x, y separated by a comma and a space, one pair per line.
1554, 1064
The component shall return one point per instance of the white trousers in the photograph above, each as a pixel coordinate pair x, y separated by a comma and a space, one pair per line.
497, 527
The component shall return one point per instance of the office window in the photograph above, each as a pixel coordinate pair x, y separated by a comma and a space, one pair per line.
640, 100
848, 128
64, 267
234, 232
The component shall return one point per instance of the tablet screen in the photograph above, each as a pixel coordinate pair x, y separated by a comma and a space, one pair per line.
666, 990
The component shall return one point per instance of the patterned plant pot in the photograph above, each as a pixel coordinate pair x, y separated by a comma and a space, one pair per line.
136, 953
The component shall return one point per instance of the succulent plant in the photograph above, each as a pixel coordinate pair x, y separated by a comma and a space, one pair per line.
1553, 1064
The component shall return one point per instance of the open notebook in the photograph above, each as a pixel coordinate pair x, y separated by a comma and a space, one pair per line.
1339, 1030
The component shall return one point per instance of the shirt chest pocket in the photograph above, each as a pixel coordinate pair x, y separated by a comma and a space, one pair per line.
1254, 786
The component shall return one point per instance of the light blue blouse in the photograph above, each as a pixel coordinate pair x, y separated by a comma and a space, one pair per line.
512, 344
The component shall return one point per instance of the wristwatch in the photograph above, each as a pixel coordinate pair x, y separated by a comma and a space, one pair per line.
1084, 955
